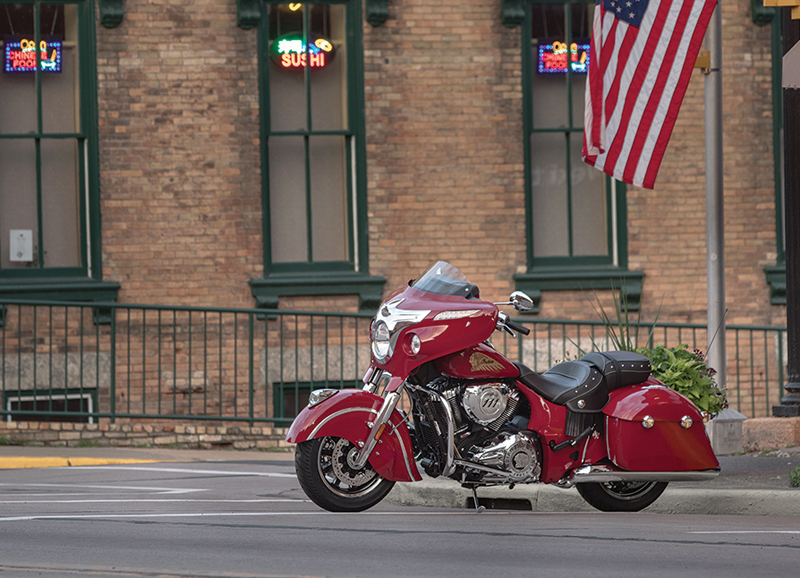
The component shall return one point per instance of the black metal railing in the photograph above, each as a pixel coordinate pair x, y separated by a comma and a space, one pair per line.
90, 361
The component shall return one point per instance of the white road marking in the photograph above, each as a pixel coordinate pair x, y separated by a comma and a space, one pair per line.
186, 471
745, 532
136, 501
111, 516
96, 487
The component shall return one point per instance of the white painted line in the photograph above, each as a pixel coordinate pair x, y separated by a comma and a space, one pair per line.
111, 516
95, 487
136, 501
188, 471
745, 532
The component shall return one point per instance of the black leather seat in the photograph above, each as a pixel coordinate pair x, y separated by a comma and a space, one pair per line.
583, 385
576, 384
620, 368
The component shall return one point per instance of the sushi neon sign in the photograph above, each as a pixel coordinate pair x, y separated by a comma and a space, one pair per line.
292, 53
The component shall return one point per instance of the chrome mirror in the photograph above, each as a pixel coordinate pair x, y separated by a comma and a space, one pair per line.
520, 301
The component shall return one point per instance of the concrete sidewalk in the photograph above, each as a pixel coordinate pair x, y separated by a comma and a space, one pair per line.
750, 484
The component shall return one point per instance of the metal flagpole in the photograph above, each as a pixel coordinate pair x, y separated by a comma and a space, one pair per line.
715, 234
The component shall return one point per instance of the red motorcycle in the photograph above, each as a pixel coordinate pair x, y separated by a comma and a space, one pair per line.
601, 423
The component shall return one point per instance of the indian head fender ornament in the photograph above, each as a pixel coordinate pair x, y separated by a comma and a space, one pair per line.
482, 362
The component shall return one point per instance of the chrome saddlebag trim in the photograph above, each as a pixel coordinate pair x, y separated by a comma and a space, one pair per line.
603, 475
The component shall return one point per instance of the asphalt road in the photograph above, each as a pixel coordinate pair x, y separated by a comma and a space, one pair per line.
249, 518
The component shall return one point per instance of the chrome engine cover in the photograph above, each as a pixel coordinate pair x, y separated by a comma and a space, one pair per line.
515, 454
485, 402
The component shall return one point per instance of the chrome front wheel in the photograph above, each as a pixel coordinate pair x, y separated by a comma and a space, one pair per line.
328, 475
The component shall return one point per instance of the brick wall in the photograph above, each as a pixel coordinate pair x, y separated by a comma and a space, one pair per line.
180, 168
179, 154
444, 142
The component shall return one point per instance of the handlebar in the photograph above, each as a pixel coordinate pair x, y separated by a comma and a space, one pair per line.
517, 327
504, 323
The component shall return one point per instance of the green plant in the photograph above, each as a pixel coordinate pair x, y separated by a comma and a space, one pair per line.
687, 373
794, 477
624, 332
678, 368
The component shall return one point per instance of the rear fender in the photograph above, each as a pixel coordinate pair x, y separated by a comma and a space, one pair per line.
345, 415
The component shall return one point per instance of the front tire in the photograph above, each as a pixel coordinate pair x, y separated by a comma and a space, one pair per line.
621, 496
327, 477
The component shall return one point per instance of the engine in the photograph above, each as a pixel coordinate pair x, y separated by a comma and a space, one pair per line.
489, 420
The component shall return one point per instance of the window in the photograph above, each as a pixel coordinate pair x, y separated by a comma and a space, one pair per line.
48, 405
576, 215
49, 198
313, 152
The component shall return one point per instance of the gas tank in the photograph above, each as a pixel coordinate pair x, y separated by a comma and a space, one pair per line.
478, 362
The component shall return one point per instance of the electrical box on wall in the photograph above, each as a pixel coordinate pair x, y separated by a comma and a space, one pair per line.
21, 245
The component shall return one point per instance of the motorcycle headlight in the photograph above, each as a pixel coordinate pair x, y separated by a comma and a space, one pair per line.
381, 341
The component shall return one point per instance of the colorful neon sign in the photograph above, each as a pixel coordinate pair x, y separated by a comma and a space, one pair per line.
553, 58
20, 54
291, 53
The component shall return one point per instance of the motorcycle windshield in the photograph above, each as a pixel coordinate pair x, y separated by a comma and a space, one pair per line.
445, 279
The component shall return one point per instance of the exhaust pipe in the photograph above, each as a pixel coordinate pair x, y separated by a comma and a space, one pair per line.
603, 475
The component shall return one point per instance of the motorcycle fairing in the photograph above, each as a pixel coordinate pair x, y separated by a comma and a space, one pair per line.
438, 337
345, 415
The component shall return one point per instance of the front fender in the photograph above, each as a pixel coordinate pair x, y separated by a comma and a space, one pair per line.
345, 415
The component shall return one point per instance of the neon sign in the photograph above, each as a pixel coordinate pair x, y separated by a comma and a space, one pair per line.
20, 54
553, 58
291, 53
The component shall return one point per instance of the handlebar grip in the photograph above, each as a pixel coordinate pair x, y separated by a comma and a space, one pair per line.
517, 327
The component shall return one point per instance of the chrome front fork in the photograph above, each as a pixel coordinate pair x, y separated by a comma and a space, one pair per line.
378, 428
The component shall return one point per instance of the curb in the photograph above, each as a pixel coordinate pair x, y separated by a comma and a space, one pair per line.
445, 493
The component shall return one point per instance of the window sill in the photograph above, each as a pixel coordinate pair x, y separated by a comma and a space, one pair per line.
267, 291
60, 289
581, 278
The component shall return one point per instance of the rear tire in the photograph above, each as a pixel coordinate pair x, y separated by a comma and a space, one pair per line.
621, 496
324, 469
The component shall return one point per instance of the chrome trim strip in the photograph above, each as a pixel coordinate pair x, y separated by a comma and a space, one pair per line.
337, 414
403, 450
483, 468
603, 475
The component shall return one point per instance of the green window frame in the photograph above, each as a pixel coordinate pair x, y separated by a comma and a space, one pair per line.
80, 279
568, 264
775, 274
301, 207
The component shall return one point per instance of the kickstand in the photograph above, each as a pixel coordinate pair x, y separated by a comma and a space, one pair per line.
478, 508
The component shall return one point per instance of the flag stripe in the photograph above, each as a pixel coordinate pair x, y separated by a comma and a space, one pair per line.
671, 116
637, 82
662, 87
636, 74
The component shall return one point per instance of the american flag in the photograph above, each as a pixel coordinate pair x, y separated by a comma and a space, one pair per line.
640, 62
